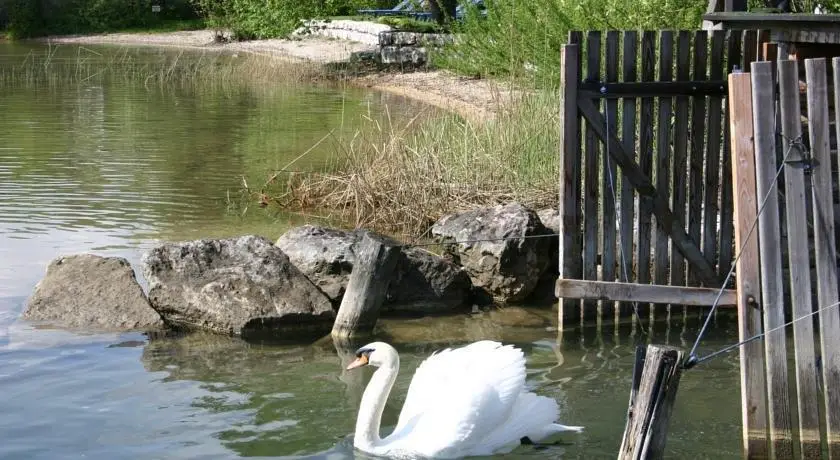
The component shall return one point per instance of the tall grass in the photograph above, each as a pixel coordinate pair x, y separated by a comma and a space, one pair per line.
521, 39
401, 177
53, 66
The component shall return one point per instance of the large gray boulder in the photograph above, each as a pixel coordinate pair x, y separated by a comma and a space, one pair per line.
237, 286
423, 282
90, 292
488, 243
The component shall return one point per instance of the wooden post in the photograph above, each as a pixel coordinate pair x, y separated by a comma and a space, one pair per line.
651, 402
800, 280
769, 236
753, 404
366, 288
825, 246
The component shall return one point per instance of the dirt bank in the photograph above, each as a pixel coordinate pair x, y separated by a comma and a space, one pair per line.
473, 99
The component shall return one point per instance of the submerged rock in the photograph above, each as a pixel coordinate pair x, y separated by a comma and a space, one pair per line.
86, 291
488, 243
423, 282
236, 286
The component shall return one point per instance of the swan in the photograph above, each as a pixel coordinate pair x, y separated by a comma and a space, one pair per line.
461, 402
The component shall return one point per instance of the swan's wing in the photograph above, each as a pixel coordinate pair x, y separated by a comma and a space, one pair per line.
481, 378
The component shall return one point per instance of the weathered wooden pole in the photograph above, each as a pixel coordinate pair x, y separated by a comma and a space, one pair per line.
367, 287
655, 381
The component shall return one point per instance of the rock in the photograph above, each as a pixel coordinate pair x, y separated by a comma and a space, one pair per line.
91, 292
239, 286
508, 268
423, 282
550, 218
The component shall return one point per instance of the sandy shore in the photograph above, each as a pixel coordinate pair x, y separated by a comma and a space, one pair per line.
474, 99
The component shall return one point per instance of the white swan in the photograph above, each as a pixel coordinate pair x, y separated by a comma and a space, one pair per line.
462, 402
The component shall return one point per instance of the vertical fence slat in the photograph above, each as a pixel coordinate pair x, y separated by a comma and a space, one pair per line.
663, 156
825, 247
772, 295
679, 184
835, 65
750, 46
800, 280
591, 177
570, 263
711, 210
609, 192
628, 136
725, 245
643, 245
753, 405
698, 137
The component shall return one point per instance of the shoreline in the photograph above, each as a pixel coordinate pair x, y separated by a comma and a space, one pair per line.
476, 100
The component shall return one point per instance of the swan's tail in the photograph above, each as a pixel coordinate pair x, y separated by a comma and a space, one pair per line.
558, 428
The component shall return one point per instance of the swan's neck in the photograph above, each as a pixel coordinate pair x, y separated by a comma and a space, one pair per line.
373, 404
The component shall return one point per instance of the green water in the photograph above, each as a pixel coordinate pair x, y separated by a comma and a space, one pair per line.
114, 165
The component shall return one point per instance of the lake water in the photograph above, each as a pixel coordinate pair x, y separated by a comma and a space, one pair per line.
115, 165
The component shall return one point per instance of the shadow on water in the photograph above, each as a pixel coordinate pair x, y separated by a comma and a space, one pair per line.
299, 401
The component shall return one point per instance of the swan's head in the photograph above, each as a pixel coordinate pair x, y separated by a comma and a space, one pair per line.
378, 354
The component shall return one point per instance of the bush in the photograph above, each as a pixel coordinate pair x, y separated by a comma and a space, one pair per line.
522, 38
249, 19
28, 18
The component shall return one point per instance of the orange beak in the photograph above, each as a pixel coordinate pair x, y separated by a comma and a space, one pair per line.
359, 362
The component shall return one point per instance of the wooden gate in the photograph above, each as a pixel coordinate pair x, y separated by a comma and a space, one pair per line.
645, 196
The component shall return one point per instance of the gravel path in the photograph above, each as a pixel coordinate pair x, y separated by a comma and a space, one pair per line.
474, 99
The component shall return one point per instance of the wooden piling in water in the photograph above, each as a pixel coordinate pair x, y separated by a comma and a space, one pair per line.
366, 288
652, 398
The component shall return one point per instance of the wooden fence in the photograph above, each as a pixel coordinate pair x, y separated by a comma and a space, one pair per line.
645, 196
768, 136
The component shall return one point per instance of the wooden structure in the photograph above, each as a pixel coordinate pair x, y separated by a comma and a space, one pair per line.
366, 288
760, 101
645, 196
656, 377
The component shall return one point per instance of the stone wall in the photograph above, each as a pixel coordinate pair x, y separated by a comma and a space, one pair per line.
389, 48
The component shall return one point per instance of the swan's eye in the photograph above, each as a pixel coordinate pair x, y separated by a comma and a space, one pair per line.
364, 351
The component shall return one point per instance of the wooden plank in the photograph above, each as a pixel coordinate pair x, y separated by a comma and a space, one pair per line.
800, 280
750, 46
769, 236
632, 292
366, 288
647, 420
711, 208
654, 89
725, 245
753, 404
570, 263
661, 254
644, 203
824, 246
628, 137
771, 52
591, 175
609, 183
698, 138
672, 226
679, 173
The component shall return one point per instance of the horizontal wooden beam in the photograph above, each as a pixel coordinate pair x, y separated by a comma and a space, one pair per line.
646, 293
653, 89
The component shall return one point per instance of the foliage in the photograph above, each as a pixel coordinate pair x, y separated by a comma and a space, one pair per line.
522, 38
250, 19
410, 24
28, 18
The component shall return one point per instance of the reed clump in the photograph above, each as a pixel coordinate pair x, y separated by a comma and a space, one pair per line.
154, 67
402, 178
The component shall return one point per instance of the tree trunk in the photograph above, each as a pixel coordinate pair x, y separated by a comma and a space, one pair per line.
443, 11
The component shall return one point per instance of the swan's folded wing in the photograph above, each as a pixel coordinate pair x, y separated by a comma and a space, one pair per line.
445, 381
